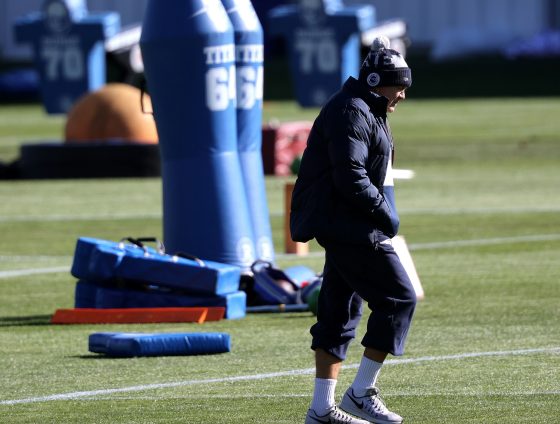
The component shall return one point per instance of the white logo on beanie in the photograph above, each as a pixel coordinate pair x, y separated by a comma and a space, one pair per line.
373, 79
398, 61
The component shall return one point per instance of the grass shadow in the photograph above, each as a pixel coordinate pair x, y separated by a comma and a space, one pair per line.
97, 356
26, 320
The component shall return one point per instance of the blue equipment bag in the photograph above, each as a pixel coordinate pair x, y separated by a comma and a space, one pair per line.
131, 260
272, 286
138, 344
301, 275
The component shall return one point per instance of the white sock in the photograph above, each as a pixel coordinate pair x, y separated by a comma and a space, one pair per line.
366, 377
323, 395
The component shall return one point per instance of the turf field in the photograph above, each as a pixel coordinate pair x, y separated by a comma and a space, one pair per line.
482, 220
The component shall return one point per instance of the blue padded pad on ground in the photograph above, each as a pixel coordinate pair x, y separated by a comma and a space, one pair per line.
139, 344
206, 277
98, 341
91, 295
85, 248
101, 260
85, 295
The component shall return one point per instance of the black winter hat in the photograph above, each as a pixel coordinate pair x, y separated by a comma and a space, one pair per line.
384, 67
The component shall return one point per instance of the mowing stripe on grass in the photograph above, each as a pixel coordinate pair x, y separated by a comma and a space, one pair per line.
23, 117
274, 214
305, 371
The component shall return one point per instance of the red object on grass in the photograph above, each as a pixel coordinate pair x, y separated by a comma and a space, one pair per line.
137, 315
282, 143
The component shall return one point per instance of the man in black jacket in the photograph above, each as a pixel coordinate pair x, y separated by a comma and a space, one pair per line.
344, 197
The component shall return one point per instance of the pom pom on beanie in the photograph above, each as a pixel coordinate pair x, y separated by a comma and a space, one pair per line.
384, 67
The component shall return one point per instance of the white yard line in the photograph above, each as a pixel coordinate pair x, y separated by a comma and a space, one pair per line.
484, 242
463, 211
290, 256
96, 217
34, 258
296, 372
446, 244
24, 272
472, 211
386, 393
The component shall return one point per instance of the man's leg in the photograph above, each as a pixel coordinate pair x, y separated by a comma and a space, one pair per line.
327, 365
339, 312
368, 371
323, 407
389, 293
327, 368
375, 355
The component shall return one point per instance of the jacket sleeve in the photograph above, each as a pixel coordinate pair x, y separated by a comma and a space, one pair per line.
349, 140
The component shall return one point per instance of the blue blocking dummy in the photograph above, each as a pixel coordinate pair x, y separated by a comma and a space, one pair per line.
189, 61
324, 41
142, 344
249, 57
68, 49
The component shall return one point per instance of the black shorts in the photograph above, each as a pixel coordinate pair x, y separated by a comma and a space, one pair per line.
376, 275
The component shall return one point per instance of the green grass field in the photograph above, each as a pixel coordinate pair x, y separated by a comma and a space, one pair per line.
482, 221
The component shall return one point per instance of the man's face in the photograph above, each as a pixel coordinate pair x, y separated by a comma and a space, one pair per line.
394, 94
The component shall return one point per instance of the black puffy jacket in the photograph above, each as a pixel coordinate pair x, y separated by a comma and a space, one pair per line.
338, 195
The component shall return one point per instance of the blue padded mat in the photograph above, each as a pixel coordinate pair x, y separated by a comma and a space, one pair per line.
92, 295
107, 261
160, 344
